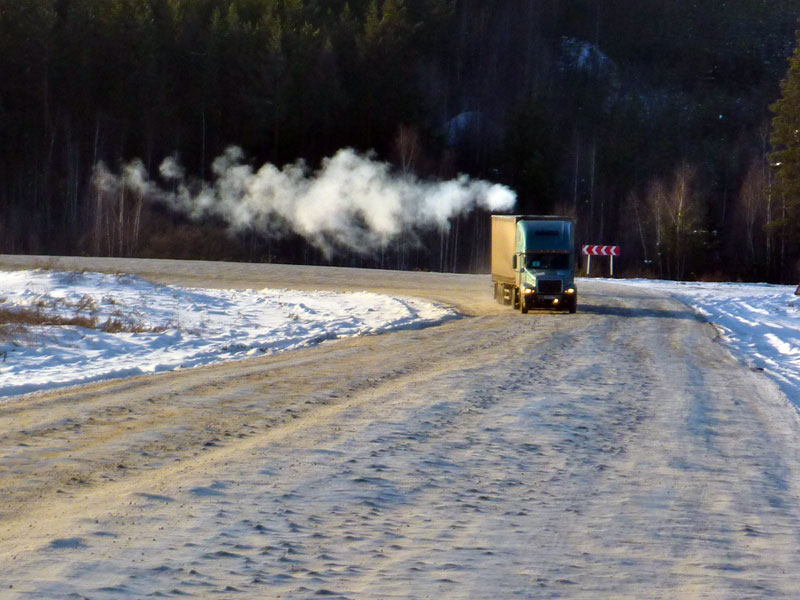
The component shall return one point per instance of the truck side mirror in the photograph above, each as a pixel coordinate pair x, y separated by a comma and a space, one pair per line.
514, 262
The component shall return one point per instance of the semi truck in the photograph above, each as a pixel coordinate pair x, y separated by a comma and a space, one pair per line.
533, 262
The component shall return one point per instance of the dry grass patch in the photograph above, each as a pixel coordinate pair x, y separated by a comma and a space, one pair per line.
15, 322
28, 316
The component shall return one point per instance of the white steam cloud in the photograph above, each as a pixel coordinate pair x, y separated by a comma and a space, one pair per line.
352, 201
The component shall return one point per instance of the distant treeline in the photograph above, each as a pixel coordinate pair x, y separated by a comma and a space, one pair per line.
648, 121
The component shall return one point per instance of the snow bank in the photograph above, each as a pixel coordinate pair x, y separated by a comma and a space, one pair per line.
161, 327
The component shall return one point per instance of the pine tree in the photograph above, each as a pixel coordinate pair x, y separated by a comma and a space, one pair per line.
785, 159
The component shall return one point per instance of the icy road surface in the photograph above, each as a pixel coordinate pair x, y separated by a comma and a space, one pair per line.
621, 452
760, 322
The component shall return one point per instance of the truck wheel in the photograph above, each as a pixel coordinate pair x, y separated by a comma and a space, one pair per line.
573, 305
514, 298
523, 306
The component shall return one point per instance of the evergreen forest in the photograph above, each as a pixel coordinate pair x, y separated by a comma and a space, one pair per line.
667, 128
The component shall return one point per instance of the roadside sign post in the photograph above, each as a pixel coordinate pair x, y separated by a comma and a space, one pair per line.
611, 251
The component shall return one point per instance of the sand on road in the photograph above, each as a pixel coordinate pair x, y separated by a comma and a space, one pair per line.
617, 453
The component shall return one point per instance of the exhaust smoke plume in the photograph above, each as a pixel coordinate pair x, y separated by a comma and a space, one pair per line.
352, 201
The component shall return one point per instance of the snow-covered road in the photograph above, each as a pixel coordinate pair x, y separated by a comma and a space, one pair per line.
758, 321
618, 453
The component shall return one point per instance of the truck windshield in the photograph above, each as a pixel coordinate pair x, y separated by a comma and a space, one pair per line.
546, 260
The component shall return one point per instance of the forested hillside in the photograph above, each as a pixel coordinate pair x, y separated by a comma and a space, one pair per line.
649, 121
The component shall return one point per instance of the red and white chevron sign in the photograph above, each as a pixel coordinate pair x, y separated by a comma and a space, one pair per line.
601, 250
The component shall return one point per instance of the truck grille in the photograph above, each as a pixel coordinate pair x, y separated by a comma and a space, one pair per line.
549, 286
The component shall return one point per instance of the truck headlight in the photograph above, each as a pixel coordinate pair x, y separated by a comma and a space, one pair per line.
570, 290
529, 291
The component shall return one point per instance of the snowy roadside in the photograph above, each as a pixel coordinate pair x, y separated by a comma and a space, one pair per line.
134, 327
758, 321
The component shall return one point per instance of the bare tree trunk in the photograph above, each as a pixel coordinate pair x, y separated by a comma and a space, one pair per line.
121, 221
768, 240
134, 246
98, 204
659, 244
43, 194
98, 222
109, 234
576, 174
592, 167
441, 249
635, 202
406, 145
783, 237
455, 244
203, 142
681, 209
752, 201
655, 202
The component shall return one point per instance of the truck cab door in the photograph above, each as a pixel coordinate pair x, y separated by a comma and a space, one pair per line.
518, 264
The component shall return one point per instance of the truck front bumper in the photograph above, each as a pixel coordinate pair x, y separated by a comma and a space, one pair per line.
533, 300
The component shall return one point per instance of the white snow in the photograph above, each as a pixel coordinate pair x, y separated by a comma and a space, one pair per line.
760, 322
170, 327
